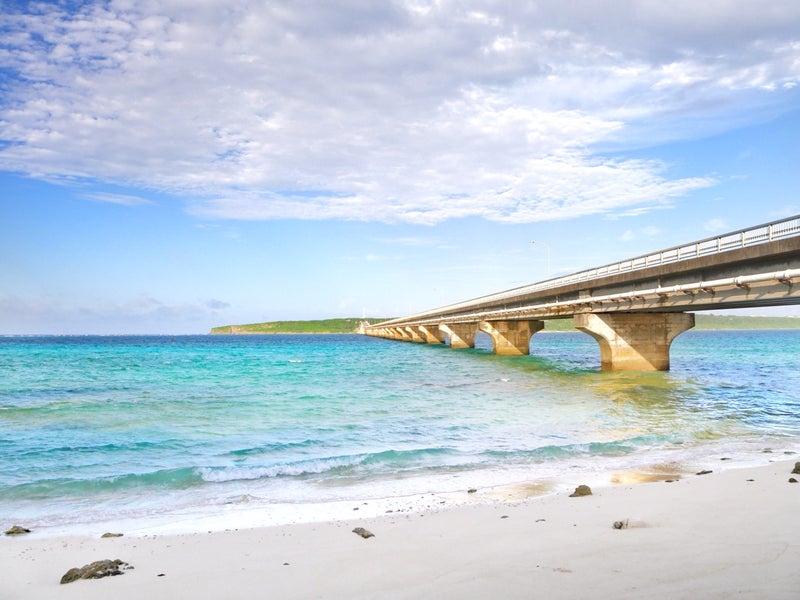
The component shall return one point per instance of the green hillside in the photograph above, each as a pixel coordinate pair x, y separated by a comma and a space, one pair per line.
319, 326
703, 321
706, 321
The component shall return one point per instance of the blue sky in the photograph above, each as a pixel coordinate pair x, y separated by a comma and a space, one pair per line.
168, 166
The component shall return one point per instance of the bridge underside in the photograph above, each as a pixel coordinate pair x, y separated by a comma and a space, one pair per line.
628, 341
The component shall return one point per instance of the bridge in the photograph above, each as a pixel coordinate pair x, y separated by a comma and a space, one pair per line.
633, 308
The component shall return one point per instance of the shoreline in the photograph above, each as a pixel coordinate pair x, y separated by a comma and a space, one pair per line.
248, 509
729, 532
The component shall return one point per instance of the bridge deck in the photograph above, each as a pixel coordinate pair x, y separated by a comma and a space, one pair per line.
758, 266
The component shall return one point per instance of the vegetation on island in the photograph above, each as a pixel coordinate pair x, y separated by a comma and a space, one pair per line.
706, 321
702, 321
318, 326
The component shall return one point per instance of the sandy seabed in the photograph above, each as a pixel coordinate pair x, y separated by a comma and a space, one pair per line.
726, 534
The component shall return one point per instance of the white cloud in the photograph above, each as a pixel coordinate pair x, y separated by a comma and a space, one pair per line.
650, 232
121, 199
409, 241
214, 304
716, 225
412, 111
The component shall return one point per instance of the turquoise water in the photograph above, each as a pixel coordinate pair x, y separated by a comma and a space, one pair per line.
136, 428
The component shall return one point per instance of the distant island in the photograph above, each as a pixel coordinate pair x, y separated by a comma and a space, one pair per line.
319, 326
350, 325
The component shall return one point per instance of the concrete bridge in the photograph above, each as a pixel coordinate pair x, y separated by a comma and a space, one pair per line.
633, 308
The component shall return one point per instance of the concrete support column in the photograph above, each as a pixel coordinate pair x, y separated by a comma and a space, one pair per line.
462, 335
431, 334
401, 334
414, 333
634, 341
511, 337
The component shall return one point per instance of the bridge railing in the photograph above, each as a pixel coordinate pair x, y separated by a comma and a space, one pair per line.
743, 238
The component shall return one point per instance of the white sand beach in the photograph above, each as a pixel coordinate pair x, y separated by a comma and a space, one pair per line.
732, 533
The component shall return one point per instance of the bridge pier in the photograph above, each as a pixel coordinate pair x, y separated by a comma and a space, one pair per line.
462, 335
414, 334
511, 337
432, 335
634, 341
401, 334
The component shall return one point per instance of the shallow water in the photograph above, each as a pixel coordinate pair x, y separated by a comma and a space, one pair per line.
149, 428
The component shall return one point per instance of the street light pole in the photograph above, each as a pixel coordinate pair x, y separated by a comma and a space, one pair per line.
547, 247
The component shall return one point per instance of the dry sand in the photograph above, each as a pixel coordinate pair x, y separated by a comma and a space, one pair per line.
734, 533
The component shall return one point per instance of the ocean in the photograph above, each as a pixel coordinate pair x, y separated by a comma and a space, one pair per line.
191, 433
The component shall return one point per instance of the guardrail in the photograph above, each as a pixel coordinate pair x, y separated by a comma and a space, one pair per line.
744, 238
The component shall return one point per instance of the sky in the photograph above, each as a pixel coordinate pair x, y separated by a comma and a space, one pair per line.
167, 166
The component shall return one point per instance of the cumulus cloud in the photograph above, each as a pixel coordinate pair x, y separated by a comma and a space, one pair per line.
407, 111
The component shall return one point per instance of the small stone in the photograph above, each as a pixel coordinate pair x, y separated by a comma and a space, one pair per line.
796, 470
504, 517
581, 490
620, 524
364, 533
471, 490
17, 530
792, 480
704, 472
111, 535
96, 570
